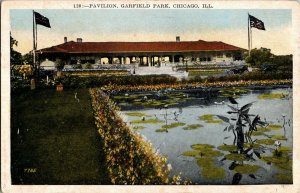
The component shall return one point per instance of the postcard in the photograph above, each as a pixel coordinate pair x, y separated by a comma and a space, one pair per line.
149, 96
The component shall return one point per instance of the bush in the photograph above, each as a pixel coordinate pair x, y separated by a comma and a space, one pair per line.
279, 75
129, 158
90, 82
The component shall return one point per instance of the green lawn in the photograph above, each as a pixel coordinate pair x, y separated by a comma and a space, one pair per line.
57, 142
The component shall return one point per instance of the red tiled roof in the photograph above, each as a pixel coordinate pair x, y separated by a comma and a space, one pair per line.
111, 47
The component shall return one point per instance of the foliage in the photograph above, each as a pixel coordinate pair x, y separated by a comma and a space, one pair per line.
86, 73
259, 57
25, 70
59, 64
266, 61
108, 81
130, 159
15, 57
28, 58
87, 66
195, 85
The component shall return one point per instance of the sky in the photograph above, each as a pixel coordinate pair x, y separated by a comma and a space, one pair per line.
229, 26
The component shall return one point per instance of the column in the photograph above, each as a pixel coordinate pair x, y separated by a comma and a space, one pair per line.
160, 60
173, 59
152, 60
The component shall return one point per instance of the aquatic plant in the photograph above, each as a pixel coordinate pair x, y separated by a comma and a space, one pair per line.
243, 149
209, 118
165, 128
192, 127
137, 114
146, 121
272, 96
233, 92
244, 125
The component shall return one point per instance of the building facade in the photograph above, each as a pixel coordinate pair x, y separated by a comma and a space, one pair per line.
142, 53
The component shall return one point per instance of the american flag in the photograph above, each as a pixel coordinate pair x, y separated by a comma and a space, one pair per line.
41, 20
254, 22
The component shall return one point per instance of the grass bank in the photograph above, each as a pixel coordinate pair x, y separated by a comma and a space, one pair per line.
54, 139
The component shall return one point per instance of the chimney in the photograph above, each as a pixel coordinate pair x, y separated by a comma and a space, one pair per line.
177, 38
65, 39
79, 40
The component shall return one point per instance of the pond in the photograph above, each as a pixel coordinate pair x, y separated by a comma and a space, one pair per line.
201, 146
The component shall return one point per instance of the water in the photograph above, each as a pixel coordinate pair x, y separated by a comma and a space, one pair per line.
190, 106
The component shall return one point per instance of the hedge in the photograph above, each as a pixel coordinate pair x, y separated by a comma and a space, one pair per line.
91, 82
129, 158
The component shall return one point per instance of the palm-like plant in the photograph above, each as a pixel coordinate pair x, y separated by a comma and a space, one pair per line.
243, 126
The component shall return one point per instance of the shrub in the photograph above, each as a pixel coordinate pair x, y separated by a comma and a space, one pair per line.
130, 159
90, 82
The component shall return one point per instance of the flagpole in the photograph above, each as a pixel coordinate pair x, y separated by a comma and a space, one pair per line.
33, 28
248, 36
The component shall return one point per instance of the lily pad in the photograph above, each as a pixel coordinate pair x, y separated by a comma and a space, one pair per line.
285, 166
269, 96
147, 121
279, 137
257, 133
266, 141
210, 153
236, 157
246, 169
209, 118
138, 127
275, 159
205, 161
213, 173
137, 114
254, 145
161, 130
173, 125
285, 149
202, 147
227, 148
274, 127
190, 153
192, 127
262, 129
233, 92
284, 178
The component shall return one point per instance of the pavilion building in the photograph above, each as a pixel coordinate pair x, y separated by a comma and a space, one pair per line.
141, 53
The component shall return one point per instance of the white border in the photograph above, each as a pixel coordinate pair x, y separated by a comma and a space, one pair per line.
5, 104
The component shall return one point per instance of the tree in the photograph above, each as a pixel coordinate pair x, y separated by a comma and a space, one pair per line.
15, 57
59, 64
28, 58
284, 63
258, 57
